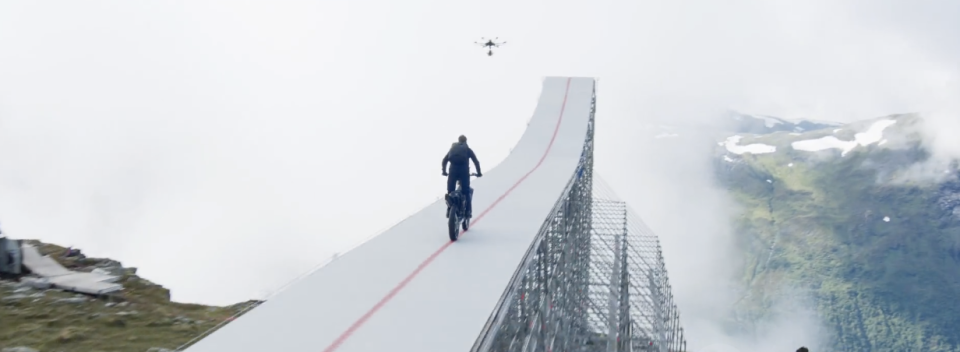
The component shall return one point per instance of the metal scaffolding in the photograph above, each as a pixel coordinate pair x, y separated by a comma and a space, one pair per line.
593, 280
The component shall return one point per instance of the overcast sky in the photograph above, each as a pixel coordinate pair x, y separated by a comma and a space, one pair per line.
251, 140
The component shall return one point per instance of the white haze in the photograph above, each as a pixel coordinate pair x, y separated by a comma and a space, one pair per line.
225, 147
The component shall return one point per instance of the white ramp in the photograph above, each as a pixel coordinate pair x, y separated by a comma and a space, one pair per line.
410, 288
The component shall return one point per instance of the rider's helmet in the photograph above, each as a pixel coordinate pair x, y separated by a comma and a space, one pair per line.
462, 139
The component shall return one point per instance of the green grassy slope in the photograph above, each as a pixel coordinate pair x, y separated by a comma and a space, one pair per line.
818, 225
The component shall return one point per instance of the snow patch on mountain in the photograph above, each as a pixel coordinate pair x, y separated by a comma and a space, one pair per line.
758, 148
872, 135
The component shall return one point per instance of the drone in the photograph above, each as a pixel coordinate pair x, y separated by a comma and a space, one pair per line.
490, 44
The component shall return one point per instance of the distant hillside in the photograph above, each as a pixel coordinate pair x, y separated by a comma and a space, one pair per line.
759, 124
141, 318
832, 211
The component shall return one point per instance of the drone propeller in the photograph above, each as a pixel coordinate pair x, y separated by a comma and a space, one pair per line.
489, 42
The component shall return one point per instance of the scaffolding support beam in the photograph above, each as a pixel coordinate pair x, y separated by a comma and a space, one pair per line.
593, 280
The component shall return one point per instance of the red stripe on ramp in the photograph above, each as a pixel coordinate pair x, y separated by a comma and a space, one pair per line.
363, 319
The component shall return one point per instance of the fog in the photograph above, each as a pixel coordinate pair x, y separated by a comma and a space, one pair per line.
226, 147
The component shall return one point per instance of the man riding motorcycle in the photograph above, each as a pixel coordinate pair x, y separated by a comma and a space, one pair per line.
459, 156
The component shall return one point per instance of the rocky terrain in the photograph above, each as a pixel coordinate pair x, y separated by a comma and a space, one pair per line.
141, 318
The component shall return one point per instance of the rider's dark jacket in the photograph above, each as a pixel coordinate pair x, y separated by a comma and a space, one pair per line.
459, 157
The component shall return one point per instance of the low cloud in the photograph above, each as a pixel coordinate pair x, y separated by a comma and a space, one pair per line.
679, 199
940, 127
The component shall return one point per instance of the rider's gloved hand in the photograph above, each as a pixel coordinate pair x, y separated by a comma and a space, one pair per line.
479, 174
445, 173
